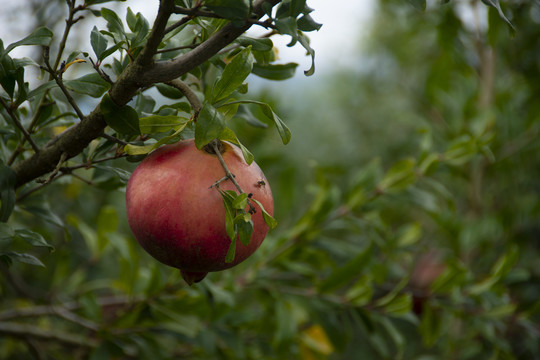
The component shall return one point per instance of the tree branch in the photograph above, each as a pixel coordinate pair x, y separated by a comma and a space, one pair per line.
184, 88
23, 331
164, 71
19, 125
141, 73
156, 35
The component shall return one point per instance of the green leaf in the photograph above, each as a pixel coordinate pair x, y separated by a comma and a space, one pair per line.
287, 26
98, 42
161, 123
244, 227
40, 36
33, 238
244, 113
263, 44
169, 91
229, 9
229, 135
304, 41
111, 50
131, 19
399, 176
145, 149
114, 24
460, 151
233, 76
209, 126
240, 202
267, 111
123, 119
275, 72
351, 270
90, 84
7, 191
229, 197
418, 4
24, 258
306, 23
268, 219
6, 231
40, 90
409, 234
497, 5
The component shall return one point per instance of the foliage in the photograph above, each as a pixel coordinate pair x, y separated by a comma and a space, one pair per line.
418, 237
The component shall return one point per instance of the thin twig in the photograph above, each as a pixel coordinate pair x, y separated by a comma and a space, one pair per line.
265, 24
70, 21
17, 123
74, 318
63, 158
184, 88
77, 176
39, 187
114, 139
179, 23
191, 46
215, 146
100, 72
216, 184
195, 12
68, 169
57, 76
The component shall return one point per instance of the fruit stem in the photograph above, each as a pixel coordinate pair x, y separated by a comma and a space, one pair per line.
216, 145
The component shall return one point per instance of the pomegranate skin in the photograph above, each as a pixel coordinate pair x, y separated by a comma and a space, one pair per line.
178, 219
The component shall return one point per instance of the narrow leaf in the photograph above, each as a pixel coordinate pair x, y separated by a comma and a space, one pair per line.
145, 149
114, 24
240, 202
263, 44
283, 130
229, 135
24, 258
229, 9
233, 76
244, 228
497, 5
161, 123
209, 126
304, 41
40, 36
123, 119
268, 219
98, 42
275, 72
33, 238
90, 84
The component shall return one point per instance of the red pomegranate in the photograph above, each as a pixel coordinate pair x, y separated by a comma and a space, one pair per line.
177, 216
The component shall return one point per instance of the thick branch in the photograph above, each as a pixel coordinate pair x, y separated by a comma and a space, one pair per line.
165, 71
156, 35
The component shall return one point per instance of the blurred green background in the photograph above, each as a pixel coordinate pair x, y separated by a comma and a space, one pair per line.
408, 209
